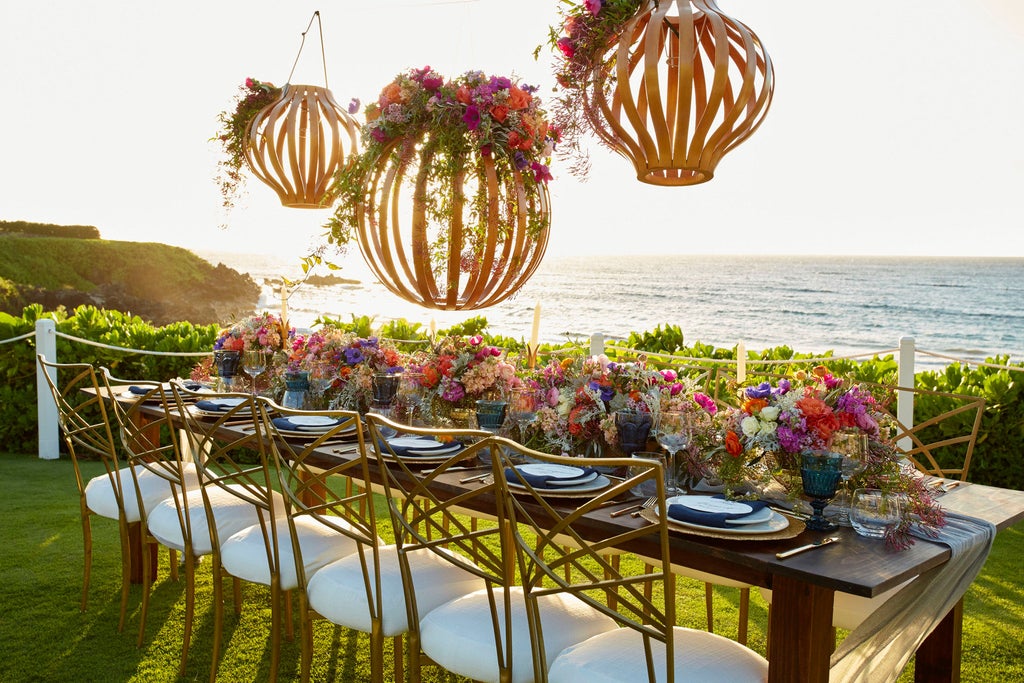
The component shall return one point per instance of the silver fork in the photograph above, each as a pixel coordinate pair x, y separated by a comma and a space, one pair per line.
647, 505
635, 509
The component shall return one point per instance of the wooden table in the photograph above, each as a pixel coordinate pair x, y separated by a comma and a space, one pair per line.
800, 631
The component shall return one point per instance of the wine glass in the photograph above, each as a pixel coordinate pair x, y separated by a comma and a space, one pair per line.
385, 388
254, 362
853, 446
820, 472
523, 409
410, 391
673, 433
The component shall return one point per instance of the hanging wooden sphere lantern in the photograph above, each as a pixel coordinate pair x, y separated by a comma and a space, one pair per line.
298, 143
685, 88
462, 242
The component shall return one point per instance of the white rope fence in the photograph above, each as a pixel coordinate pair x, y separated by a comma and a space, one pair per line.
46, 345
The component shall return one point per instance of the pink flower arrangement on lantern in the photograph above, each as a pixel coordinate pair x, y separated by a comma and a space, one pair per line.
264, 331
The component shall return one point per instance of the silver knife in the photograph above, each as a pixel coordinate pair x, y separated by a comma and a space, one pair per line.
809, 546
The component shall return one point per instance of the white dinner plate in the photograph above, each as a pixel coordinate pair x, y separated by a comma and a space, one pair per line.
406, 443
313, 421
565, 473
775, 523
598, 483
719, 505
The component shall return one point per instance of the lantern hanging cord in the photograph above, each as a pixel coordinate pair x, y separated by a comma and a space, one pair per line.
323, 55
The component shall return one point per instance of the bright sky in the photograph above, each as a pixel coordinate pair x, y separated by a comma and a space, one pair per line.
895, 128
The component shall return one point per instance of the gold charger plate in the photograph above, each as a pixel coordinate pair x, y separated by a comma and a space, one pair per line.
794, 529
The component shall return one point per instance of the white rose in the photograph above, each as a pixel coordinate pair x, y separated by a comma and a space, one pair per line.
766, 429
770, 413
750, 426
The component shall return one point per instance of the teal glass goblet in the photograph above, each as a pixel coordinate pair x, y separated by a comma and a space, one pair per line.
820, 472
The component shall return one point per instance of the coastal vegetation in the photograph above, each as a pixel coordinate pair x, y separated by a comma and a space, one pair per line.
68, 266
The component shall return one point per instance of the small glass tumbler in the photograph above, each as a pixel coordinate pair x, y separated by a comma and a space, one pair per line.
490, 415
874, 512
648, 488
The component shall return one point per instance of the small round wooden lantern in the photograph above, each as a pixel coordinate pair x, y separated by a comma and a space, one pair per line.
686, 88
459, 241
298, 143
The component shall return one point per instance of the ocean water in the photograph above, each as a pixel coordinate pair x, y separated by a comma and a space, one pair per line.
965, 308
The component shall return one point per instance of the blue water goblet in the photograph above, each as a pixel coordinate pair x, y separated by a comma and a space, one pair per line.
820, 472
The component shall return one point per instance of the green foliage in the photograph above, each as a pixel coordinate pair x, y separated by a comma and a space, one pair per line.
668, 340
472, 326
83, 232
18, 359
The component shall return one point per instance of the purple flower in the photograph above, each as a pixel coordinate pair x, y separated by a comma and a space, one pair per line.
453, 392
472, 117
379, 135
607, 393
353, 106
541, 174
762, 390
705, 402
594, 6
354, 356
784, 386
788, 439
501, 82
521, 160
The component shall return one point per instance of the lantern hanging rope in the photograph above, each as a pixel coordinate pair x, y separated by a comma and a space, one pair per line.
297, 144
673, 92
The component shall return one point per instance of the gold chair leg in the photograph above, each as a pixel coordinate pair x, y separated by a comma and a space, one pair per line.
236, 593
147, 585
399, 660
218, 616
87, 554
126, 572
306, 633
172, 562
744, 616
709, 606
190, 607
289, 627
275, 629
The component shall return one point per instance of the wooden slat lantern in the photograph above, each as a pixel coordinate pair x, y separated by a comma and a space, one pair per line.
482, 248
687, 87
296, 145
448, 200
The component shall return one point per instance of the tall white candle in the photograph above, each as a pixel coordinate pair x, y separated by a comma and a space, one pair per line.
741, 362
535, 333
433, 328
284, 304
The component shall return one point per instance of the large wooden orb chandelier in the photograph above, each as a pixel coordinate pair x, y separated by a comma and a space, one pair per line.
480, 250
296, 144
687, 85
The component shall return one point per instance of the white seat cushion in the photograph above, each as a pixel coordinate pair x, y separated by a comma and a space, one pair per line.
708, 578
848, 611
231, 515
338, 592
99, 492
618, 657
459, 634
245, 555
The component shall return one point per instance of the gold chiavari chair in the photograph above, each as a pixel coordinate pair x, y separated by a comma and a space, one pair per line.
643, 642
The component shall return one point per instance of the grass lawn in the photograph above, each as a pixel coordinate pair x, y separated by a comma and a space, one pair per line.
47, 638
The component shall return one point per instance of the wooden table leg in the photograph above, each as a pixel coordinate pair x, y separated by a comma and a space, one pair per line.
138, 554
800, 634
938, 658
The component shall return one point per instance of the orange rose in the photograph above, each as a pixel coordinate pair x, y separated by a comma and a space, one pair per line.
514, 140
463, 95
753, 406
732, 444
499, 112
391, 94
372, 112
518, 98
819, 417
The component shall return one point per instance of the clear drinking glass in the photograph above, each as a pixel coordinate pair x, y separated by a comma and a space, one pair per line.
673, 433
410, 393
522, 409
853, 446
873, 512
254, 362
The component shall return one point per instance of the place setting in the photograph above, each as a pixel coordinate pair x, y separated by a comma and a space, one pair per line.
146, 393
311, 426
217, 407
558, 481
718, 517
423, 449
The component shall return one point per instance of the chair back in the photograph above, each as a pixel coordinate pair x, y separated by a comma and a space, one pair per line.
562, 546
230, 455
430, 509
84, 419
326, 481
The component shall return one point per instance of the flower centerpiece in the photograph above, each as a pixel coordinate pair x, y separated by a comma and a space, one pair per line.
472, 155
343, 365
458, 370
763, 437
253, 96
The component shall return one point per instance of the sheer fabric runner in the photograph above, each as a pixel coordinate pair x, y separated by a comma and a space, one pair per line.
878, 649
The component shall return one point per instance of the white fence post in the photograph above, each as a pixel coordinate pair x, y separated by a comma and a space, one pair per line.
905, 399
596, 344
46, 409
